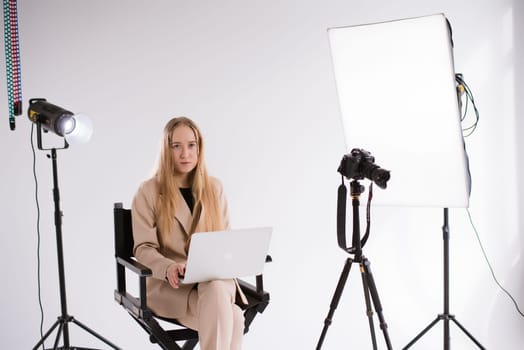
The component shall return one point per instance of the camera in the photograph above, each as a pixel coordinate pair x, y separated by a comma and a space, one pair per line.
360, 164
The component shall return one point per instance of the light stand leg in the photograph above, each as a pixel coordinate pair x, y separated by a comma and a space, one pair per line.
48, 333
93, 333
64, 319
446, 316
466, 332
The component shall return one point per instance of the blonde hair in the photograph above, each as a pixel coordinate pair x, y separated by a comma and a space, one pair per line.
201, 186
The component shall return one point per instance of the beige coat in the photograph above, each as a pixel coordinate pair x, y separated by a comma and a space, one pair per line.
161, 297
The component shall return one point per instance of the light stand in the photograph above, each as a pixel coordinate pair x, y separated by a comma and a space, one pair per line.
377, 57
445, 316
64, 319
370, 289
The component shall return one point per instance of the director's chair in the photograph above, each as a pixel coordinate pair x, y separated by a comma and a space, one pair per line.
178, 337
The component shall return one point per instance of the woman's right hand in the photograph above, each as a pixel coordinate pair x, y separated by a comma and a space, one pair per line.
173, 272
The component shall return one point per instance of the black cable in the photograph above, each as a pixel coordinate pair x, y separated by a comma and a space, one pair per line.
38, 237
491, 268
469, 130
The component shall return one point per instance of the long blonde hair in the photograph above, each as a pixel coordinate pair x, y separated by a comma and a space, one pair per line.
201, 187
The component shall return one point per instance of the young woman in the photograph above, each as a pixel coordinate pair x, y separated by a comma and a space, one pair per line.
180, 199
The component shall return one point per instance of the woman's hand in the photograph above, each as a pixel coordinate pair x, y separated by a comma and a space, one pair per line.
173, 272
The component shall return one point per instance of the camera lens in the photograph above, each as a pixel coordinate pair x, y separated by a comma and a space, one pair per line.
380, 177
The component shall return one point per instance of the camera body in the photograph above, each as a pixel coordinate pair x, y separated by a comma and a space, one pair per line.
360, 164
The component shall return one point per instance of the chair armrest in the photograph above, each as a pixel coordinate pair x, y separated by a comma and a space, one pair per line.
252, 291
256, 291
135, 266
260, 279
136, 305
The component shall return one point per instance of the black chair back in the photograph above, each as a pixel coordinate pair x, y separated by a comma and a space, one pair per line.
123, 232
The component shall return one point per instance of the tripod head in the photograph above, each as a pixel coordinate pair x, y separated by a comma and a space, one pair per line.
356, 189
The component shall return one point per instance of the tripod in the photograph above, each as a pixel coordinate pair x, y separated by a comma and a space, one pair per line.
370, 289
445, 316
64, 319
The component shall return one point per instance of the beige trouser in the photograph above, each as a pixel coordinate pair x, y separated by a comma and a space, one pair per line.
213, 313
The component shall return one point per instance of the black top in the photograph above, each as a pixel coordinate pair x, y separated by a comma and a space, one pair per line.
188, 197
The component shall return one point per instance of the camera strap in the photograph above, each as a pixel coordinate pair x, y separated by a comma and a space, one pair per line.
341, 217
368, 216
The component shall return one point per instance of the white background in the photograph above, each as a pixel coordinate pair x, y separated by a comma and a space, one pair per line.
257, 77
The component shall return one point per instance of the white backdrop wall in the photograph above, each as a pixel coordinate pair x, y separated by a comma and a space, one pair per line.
257, 77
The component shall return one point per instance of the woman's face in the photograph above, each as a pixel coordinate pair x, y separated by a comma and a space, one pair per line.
184, 148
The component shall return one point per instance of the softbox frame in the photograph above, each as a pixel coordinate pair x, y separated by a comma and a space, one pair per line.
398, 100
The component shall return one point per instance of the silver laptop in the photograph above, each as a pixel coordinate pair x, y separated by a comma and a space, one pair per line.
227, 254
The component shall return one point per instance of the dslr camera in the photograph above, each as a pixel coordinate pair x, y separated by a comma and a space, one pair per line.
360, 164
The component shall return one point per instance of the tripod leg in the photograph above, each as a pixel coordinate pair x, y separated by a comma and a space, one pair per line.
376, 301
369, 310
334, 301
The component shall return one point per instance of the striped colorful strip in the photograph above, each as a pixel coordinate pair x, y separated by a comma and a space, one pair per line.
12, 61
